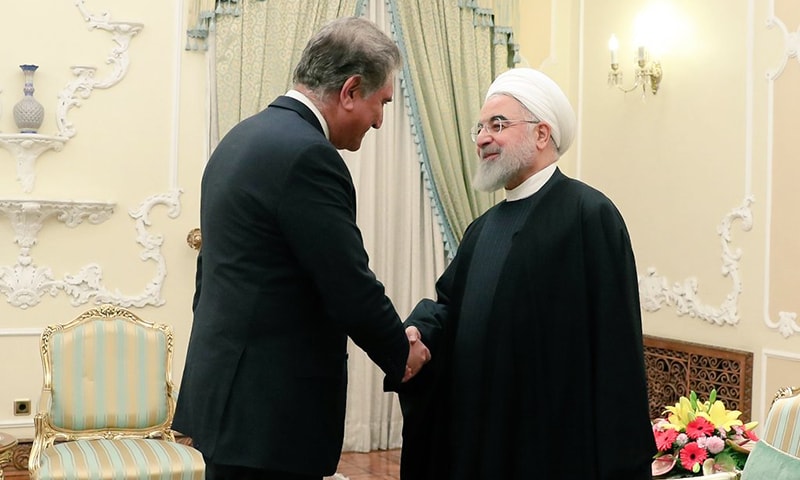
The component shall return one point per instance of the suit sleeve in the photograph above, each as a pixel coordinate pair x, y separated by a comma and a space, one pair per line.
318, 217
198, 275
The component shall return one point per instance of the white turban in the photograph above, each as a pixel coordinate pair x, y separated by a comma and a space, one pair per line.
543, 97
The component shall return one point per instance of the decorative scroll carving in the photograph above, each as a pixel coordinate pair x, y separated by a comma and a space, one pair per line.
674, 368
655, 292
121, 33
87, 284
25, 283
19, 459
27, 147
16, 467
791, 44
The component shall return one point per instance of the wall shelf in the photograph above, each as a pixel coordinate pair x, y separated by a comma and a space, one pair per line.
26, 148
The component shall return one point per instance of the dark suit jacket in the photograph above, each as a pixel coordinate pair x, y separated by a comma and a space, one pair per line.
564, 394
282, 280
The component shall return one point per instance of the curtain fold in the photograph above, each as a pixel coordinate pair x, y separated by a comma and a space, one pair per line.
256, 51
453, 51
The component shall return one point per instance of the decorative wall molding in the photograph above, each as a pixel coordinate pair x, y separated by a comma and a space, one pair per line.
766, 354
655, 292
20, 332
25, 283
151, 244
786, 324
791, 43
27, 147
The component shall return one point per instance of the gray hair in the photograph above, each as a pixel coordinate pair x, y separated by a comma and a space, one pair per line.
345, 47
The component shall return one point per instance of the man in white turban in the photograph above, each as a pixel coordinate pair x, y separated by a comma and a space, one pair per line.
537, 366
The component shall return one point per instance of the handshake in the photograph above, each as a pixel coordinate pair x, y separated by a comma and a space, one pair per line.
418, 353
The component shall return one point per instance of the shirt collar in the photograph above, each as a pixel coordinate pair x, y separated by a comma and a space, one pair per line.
308, 103
531, 185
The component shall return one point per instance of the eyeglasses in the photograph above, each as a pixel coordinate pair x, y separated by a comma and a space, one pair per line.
495, 126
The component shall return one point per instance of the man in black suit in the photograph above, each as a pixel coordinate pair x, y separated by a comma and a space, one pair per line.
282, 275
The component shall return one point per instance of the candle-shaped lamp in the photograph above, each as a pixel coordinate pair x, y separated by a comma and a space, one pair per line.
641, 54
613, 46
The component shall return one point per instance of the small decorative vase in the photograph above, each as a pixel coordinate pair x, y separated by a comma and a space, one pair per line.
28, 112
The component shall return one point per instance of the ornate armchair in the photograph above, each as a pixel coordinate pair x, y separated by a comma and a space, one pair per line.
107, 402
777, 455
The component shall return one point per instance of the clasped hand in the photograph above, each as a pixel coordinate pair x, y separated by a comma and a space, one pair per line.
418, 353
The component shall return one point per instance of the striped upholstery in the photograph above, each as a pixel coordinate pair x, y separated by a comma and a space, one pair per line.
124, 458
782, 427
127, 361
107, 402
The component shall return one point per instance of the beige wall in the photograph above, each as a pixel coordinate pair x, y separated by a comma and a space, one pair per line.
678, 165
681, 165
138, 144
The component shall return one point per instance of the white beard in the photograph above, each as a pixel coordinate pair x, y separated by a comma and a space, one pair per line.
495, 174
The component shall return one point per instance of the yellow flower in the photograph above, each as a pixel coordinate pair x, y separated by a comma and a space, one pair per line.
720, 417
681, 414
750, 425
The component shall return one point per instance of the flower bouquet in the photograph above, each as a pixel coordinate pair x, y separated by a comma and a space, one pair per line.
701, 438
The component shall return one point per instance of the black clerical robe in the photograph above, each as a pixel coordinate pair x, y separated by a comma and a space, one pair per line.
561, 392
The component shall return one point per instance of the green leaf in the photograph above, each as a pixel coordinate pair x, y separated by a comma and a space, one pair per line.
725, 461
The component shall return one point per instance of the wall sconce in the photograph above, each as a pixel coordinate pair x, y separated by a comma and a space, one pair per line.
647, 72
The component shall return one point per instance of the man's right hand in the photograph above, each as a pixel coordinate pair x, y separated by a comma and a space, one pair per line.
418, 353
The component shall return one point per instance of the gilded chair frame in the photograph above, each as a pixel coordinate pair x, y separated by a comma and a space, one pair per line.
46, 433
785, 392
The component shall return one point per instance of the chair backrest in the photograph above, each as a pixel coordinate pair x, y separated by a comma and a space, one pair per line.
782, 426
107, 374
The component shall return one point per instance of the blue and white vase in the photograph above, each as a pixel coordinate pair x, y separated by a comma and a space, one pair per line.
28, 112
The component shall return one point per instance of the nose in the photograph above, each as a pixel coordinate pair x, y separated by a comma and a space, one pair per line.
377, 124
483, 138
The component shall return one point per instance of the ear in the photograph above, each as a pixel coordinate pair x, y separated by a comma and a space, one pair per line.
542, 134
348, 92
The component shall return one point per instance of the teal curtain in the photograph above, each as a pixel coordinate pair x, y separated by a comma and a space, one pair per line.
453, 51
257, 48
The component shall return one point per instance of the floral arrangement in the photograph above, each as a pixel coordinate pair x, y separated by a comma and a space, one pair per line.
699, 438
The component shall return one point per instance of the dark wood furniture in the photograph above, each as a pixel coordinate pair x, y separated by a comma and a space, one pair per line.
676, 367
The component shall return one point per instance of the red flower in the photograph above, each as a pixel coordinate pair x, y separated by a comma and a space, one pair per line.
692, 454
665, 439
699, 427
751, 435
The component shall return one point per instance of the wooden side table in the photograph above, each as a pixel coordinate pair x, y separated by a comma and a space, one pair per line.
7, 444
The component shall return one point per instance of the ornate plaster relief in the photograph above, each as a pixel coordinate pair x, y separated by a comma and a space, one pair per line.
27, 147
25, 283
655, 292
